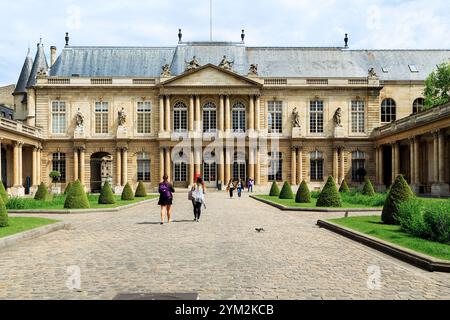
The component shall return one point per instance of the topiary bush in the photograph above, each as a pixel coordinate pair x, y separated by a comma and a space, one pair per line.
368, 189
3, 214
66, 191
274, 191
286, 192
344, 187
3, 193
127, 194
400, 192
106, 195
329, 197
42, 192
303, 194
140, 191
76, 198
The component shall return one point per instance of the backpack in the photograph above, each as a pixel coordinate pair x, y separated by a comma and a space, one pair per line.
197, 195
164, 190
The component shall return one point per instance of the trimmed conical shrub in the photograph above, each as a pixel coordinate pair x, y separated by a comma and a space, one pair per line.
399, 193
106, 195
127, 193
303, 194
286, 192
42, 192
3, 193
368, 189
344, 187
76, 198
274, 191
66, 191
140, 191
3, 214
329, 197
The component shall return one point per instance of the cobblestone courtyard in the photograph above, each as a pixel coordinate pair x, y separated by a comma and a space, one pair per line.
222, 257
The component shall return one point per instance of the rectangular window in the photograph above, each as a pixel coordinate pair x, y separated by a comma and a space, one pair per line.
101, 117
358, 117
59, 164
144, 117
275, 167
143, 170
180, 172
275, 120
356, 165
316, 116
317, 170
58, 117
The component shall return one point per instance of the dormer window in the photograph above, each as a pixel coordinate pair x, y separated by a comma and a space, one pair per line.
413, 68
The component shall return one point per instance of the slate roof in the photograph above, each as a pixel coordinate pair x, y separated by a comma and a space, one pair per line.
40, 62
21, 86
272, 61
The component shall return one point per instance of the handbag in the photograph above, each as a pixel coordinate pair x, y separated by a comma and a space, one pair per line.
190, 196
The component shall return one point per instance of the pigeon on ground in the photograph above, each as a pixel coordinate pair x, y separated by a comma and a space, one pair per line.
260, 230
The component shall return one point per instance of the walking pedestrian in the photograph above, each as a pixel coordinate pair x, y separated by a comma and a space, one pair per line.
240, 187
251, 182
198, 198
230, 188
166, 198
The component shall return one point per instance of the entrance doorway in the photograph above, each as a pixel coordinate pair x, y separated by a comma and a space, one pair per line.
101, 170
210, 174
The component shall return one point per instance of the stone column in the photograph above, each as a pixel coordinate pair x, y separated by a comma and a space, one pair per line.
198, 115
221, 114
436, 157
293, 166
21, 164
227, 113
124, 166
191, 113
381, 166
161, 163
168, 163
34, 168
39, 155
227, 166
377, 165
251, 113
251, 163
416, 161
222, 167
75, 164
16, 164
336, 163
342, 165
257, 113
191, 168
394, 161
258, 168
300, 165
82, 165
167, 115
119, 167
198, 161
440, 187
412, 157
161, 114
441, 157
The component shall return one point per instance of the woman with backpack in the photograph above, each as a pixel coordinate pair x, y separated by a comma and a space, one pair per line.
166, 198
198, 198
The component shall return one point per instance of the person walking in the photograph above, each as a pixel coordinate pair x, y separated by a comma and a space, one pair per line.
166, 199
230, 188
240, 187
198, 198
251, 182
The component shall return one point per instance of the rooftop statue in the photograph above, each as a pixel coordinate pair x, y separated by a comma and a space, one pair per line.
166, 71
253, 71
295, 119
372, 74
122, 117
193, 64
338, 117
225, 64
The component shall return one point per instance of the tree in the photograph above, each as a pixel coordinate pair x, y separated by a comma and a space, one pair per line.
329, 197
274, 190
127, 194
437, 86
140, 191
66, 191
3, 214
344, 187
303, 194
368, 189
3, 193
286, 192
55, 175
106, 195
42, 192
400, 192
76, 198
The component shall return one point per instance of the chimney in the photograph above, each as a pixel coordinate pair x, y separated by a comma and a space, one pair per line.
52, 55
346, 41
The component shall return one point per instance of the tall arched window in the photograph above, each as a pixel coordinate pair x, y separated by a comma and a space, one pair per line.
238, 117
180, 117
316, 165
418, 105
275, 166
209, 117
388, 110
358, 165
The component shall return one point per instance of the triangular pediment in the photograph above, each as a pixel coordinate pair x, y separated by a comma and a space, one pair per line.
210, 75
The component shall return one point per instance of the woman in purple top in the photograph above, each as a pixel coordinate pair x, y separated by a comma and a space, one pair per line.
166, 198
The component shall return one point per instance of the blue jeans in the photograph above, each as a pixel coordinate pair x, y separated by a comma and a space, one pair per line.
239, 192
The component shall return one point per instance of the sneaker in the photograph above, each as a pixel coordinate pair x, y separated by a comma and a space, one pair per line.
161, 223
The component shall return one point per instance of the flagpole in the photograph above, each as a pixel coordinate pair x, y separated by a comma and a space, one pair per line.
210, 20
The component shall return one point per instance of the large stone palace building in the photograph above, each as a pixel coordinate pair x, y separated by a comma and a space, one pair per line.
225, 111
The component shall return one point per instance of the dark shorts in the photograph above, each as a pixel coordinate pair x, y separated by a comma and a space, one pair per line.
164, 202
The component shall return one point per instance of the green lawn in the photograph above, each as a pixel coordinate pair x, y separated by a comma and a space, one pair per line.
292, 203
19, 224
372, 226
57, 203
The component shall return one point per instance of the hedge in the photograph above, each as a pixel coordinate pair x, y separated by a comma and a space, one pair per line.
76, 198
140, 191
400, 192
106, 195
368, 189
329, 197
3, 214
3, 193
274, 190
127, 194
66, 191
42, 192
286, 192
303, 194
344, 187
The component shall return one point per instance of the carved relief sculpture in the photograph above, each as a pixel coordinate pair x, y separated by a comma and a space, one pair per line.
295, 119
79, 118
253, 71
338, 117
166, 71
225, 64
122, 117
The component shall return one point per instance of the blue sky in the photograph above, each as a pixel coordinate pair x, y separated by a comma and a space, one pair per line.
382, 24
